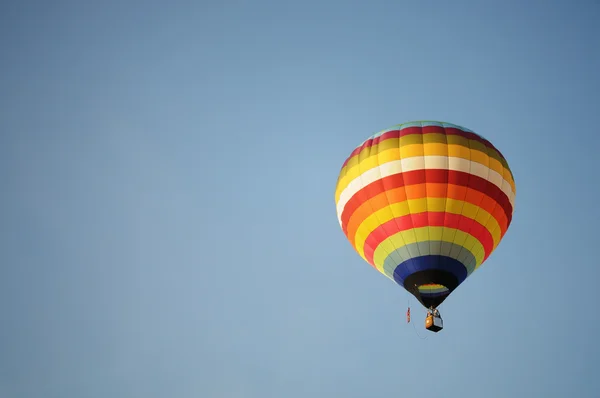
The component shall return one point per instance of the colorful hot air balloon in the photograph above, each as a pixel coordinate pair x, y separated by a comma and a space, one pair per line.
425, 203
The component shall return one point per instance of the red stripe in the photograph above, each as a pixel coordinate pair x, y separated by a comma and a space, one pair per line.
420, 130
428, 219
427, 175
367, 143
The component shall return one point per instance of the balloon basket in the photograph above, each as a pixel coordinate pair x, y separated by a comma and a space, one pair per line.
434, 323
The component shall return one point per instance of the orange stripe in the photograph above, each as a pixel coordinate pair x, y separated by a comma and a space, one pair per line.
420, 191
445, 177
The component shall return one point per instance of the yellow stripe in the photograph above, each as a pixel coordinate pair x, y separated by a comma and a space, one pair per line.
418, 163
478, 251
429, 288
414, 206
444, 234
441, 138
390, 153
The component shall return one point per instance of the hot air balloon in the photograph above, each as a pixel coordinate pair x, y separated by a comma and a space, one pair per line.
425, 203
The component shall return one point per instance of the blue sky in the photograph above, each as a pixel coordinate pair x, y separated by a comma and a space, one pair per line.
168, 218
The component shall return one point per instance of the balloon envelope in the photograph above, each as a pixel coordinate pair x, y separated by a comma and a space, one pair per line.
425, 203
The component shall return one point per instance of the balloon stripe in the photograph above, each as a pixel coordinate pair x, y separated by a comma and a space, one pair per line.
433, 288
420, 163
431, 295
375, 214
461, 180
412, 239
454, 134
407, 251
427, 219
430, 262
395, 149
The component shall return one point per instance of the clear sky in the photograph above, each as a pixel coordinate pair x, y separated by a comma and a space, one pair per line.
167, 218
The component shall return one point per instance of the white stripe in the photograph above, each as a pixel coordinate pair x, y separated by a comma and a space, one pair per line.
419, 163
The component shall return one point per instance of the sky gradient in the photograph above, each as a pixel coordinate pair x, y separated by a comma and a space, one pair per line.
168, 224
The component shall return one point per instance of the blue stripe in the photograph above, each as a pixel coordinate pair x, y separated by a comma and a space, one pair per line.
431, 295
416, 264
431, 247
